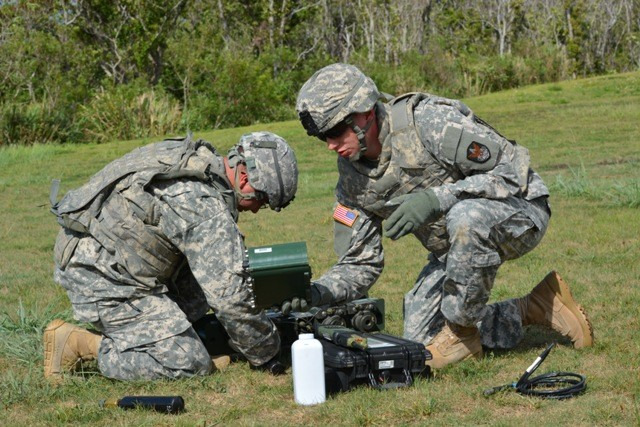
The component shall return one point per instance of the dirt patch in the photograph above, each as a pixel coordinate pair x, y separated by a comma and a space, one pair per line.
559, 166
618, 161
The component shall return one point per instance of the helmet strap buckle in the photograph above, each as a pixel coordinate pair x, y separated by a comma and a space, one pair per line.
360, 132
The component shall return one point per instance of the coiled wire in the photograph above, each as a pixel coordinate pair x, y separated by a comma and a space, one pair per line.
547, 386
550, 385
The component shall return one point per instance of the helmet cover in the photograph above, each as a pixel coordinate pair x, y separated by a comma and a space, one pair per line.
333, 93
271, 166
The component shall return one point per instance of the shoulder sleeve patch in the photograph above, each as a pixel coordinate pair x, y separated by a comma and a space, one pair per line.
344, 215
477, 152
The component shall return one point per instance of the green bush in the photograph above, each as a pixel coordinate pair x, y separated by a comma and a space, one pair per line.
240, 93
466, 74
127, 112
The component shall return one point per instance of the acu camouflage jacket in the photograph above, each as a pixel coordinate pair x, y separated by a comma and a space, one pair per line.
428, 142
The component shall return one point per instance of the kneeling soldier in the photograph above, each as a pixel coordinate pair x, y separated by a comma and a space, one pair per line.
150, 243
428, 166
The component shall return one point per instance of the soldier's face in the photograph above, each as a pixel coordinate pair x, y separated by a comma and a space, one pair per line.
346, 144
244, 205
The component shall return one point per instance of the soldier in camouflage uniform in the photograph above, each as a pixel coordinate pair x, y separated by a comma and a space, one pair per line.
429, 166
150, 243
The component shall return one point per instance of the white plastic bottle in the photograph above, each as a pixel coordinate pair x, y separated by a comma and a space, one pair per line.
307, 363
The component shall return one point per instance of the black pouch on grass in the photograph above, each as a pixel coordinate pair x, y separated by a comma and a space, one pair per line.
165, 404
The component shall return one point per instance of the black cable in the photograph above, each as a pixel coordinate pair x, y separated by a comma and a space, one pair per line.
551, 382
576, 384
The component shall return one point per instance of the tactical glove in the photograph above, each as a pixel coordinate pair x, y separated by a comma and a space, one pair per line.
300, 304
296, 304
415, 210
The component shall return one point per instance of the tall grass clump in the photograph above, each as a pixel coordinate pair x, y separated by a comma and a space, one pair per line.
578, 184
128, 112
21, 333
626, 195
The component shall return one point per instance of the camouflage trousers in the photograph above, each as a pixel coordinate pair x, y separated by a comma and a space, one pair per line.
148, 338
483, 234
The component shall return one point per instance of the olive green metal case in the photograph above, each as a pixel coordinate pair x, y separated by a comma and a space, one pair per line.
278, 273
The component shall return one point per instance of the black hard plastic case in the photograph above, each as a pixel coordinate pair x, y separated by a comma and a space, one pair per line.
388, 362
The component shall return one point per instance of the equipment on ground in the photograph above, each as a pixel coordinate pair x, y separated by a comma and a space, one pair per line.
363, 315
545, 385
166, 404
352, 355
343, 336
278, 273
388, 362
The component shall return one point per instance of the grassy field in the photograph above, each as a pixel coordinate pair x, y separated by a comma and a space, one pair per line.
584, 138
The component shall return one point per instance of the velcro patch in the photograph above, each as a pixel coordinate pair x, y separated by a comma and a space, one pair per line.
345, 215
478, 153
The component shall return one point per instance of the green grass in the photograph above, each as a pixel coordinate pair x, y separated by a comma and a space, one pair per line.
584, 140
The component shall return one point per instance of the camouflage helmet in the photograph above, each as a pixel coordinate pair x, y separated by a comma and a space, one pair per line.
271, 166
333, 93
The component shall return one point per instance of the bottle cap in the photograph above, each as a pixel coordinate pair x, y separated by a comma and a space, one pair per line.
305, 336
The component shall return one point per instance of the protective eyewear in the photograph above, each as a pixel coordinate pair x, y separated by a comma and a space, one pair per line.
334, 132
312, 129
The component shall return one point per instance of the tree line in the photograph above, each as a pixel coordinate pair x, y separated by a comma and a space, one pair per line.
96, 70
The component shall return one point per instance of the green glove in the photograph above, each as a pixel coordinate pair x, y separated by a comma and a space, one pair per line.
296, 304
415, 210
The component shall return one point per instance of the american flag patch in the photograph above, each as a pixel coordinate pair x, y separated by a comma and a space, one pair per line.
345, 215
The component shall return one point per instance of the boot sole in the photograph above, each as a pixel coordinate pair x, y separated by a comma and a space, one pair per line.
48, 339
555, 282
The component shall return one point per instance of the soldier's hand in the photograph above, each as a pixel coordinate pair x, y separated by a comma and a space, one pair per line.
296, 304
299, 304
415, 210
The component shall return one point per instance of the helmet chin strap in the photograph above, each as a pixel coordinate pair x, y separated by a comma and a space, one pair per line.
360, 133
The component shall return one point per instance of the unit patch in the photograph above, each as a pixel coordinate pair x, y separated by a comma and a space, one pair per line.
344, 215
478, 153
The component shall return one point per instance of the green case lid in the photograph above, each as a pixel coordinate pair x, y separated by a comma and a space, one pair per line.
279, 256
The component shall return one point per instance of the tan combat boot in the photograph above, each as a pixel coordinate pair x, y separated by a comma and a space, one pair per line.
551, 304
220, 362
453, 344
66, 346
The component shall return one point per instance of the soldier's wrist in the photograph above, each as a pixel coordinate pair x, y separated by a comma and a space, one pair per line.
320, 295
445, 198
